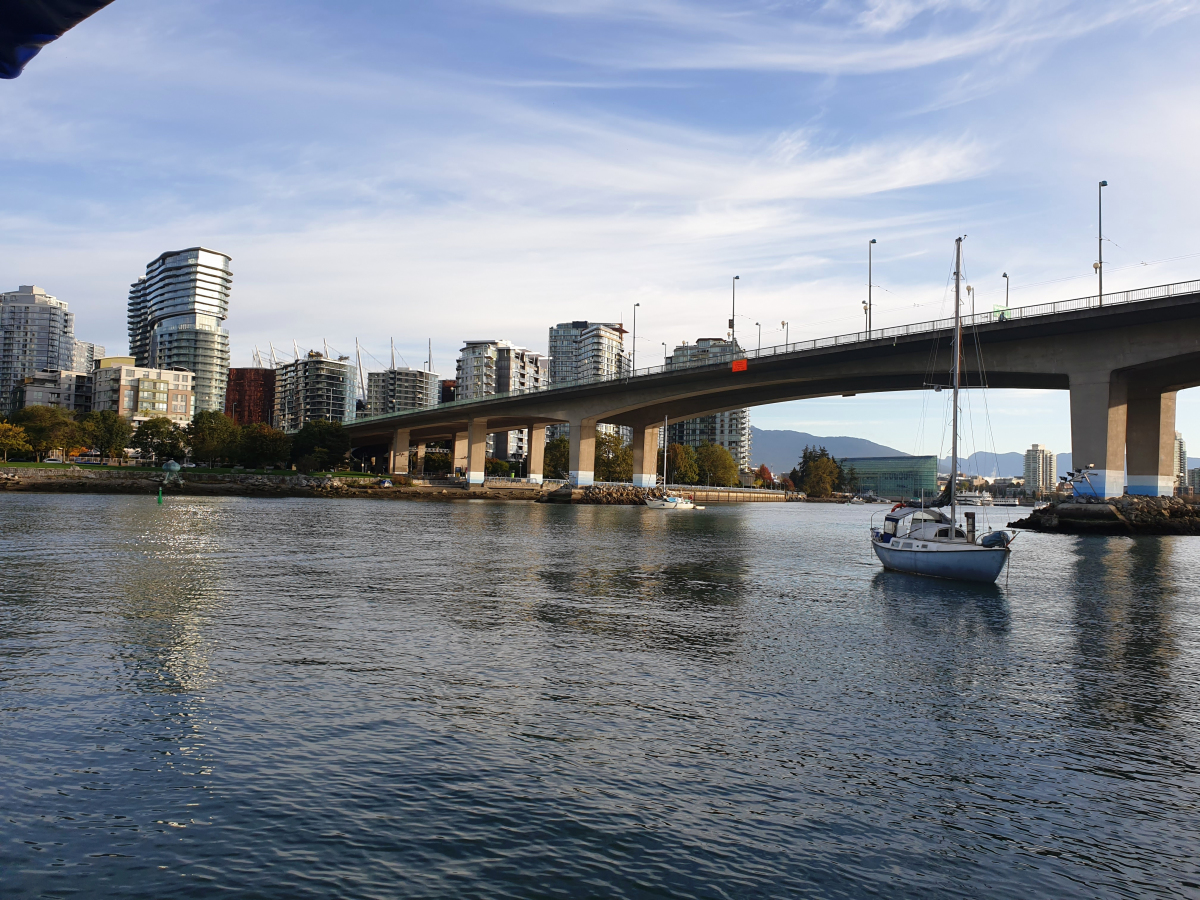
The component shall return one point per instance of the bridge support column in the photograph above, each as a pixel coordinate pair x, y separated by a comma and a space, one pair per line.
1150, 442
536, 453
460, 452
645, 456
419, 468
583, 452
1099, 408
476, 451
399, 452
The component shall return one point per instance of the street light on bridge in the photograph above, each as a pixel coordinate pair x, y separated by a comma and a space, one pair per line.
759, 324
870, 280
784, 326
733, 310
1099, 266
635, 307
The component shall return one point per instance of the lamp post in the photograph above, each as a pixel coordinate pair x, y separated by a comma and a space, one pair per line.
1100, 238
635, 307
759, 324
1004, 275
870, 284
785, 333
867, 318
733, 310
664, 343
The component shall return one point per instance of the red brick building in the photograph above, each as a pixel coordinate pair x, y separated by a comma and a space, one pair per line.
250, 396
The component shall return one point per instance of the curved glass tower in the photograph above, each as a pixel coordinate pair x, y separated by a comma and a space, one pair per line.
175, 315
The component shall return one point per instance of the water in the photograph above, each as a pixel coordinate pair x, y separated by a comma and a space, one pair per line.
294, 698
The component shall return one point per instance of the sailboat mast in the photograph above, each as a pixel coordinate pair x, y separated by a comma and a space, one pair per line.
957, 358
666, 480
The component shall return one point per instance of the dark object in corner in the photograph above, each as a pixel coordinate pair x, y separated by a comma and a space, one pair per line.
26, 26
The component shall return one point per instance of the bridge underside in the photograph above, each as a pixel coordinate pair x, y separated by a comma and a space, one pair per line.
1122, 365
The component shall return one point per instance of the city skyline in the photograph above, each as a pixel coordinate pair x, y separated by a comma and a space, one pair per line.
502, 186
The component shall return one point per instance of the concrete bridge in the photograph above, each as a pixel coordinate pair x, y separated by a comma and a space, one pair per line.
1122, 361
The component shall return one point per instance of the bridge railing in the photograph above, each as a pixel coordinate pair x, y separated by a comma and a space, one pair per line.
995, 316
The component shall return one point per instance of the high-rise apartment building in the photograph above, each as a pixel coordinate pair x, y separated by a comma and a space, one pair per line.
37, 333
400, 388
729, 429
175, 315
71, 391
1180, 461
500, 367
314, 387
250, 395
139, 392
1039, 469
582, 350
86, 355
1193, 480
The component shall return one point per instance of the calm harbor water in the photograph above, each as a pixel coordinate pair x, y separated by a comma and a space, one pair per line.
295, 698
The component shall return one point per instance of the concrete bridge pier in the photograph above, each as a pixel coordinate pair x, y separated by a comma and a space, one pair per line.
1099, 406
537, 452
645, 456
477, 435
419, 468
583, 452
460, 451
1151, 441
398, 452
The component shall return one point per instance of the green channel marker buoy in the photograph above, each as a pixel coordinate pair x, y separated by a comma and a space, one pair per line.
160, 496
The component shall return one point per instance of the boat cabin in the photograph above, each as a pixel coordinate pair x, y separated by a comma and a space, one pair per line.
918, 524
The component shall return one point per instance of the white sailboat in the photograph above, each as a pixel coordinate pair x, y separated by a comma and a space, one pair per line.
669, 500
927, 542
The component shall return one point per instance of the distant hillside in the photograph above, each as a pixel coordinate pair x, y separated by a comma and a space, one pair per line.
780, 450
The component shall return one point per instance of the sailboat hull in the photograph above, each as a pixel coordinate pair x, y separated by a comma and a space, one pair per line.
967, 562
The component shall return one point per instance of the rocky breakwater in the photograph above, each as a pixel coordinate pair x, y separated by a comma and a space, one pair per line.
1120, 515
602, 495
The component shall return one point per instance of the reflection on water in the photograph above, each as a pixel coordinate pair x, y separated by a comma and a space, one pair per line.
301, 698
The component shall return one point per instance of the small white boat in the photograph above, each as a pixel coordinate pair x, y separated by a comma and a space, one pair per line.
670, 501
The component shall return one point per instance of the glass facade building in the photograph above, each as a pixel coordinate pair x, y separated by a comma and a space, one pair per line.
894, 477
175, 315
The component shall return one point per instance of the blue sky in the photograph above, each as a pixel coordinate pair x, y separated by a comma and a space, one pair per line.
463, 170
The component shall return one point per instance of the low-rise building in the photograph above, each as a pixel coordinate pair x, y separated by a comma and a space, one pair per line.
66, 390
314, 387
250, 395
894, 477
139, 393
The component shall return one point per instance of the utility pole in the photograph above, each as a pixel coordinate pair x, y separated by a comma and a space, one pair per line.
870, 284
733, 310
1100, 238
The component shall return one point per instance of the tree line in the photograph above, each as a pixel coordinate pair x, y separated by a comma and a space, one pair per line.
212, 438
818, 474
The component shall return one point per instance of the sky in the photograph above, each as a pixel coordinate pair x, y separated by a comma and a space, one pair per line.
465, 170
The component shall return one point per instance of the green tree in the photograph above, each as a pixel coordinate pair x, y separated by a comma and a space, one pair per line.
260, 445
614, 459
213, 437
47, 428
818, 474
320, 444
106, 431
715, 465
682, 467
162, 438
12, 437
499, 467
557, 461
437, 463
